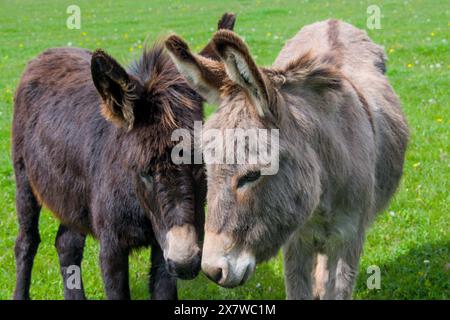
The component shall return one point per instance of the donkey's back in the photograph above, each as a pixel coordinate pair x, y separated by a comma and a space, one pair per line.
352, 48
56, 118
362, 63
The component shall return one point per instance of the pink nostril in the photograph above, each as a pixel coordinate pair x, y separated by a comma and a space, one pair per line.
216, 273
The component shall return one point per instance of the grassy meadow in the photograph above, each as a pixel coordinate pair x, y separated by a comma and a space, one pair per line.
410, 242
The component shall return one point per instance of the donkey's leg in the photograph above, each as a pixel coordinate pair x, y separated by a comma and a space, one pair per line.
70, 245
298, 263
325, 275
347, 267
163, 286
114, 267
321, 276
342, 265
28, 240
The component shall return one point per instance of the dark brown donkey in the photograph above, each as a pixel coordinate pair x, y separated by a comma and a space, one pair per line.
92, 142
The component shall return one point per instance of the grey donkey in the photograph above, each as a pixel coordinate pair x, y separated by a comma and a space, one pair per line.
342, 142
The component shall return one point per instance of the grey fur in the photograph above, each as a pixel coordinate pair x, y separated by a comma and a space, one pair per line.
343, 139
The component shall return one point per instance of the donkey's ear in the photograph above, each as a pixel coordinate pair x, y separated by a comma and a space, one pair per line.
116, 88
227, 22
204, 75
241, 69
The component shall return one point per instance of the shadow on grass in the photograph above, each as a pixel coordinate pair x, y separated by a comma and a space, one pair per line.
421, 273
266, 283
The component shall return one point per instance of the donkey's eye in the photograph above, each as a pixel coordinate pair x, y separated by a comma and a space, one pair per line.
249, 177
146, 177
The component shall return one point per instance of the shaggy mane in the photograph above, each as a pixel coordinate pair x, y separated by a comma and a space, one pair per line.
163, 83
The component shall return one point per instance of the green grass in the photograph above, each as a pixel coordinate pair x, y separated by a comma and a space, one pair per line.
410, 242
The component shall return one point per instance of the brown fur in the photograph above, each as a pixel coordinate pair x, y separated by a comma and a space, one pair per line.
92, 142
226, 22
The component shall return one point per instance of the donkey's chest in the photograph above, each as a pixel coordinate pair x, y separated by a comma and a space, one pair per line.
325, 229
133, 229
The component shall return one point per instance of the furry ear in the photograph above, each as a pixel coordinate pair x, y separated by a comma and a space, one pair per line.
226, 22
203, 75
241, 69
116, 88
